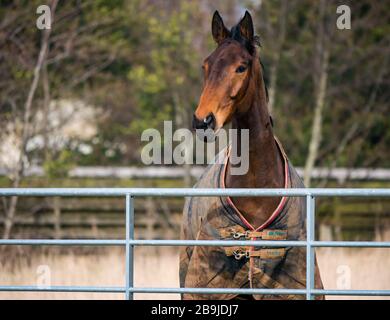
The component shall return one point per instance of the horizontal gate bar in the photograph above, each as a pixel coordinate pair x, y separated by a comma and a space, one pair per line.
64, 289
183, 192
263, 291
351, 244
351, 292
195, 290
222, 243
62, 242
151, 290
219, 291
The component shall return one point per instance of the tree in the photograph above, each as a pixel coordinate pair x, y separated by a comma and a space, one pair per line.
26, 125
320, 79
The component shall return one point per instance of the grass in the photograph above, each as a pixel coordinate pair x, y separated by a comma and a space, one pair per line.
153, 267
158, 267
367, 268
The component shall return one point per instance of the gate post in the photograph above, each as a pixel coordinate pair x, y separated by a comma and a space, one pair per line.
129, 247
310, 237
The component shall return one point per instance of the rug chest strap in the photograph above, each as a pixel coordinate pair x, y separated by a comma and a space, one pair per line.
243, 252
266, 234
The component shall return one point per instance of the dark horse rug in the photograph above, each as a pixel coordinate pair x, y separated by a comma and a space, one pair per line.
216, 218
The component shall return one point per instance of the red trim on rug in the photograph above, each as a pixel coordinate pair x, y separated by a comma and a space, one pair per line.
281, 204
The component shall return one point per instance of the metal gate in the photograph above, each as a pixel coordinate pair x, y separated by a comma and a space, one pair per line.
131, 193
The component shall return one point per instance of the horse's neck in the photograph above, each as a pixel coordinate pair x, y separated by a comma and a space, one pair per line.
264, 155
266, 168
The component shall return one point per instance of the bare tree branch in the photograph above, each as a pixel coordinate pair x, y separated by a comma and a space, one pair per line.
322, 59
26, 125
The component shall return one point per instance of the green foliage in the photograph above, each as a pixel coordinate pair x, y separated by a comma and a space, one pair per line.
169, 69
60, 166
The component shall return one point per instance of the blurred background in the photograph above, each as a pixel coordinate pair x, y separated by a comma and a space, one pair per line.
74, 100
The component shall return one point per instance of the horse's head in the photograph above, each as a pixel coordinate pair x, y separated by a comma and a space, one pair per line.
227, 74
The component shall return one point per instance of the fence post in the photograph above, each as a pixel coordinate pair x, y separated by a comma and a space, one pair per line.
129, 248
310, 237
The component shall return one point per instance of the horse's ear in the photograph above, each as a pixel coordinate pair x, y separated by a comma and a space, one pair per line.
218, 28
246, 27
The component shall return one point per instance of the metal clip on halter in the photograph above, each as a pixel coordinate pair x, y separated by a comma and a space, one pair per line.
238, 235
238, 254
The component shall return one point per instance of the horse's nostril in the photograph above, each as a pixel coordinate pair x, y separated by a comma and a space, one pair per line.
210, 121
198, 124
206, 123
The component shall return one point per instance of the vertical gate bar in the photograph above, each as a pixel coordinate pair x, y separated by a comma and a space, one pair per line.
310, 237
129, 248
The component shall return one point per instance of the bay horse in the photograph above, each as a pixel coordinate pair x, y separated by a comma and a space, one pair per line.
234, 91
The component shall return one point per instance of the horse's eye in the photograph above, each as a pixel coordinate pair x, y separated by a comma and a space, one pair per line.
240, 69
